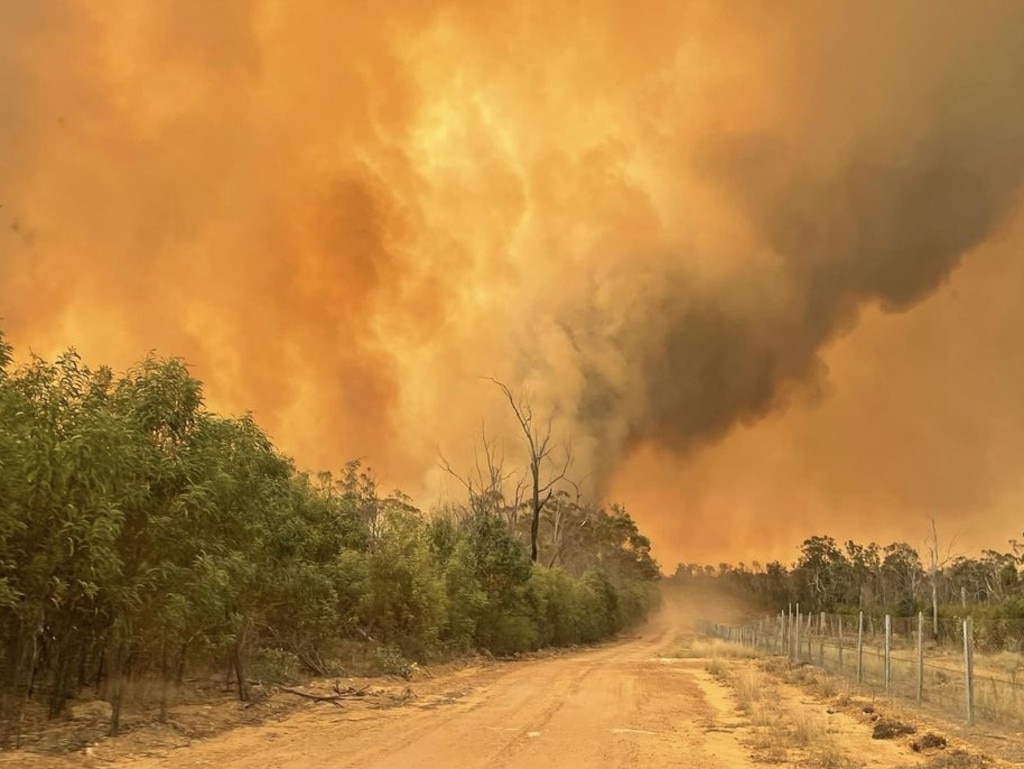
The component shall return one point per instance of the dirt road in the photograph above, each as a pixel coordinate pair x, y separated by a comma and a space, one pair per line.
628, 704
609, 707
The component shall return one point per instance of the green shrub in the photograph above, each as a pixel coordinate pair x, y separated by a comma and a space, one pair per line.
389, 661
276, 666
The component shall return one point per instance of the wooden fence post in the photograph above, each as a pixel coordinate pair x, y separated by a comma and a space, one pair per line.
969, 668
860, 648
796, 643
789, 634
888, 650
920, 657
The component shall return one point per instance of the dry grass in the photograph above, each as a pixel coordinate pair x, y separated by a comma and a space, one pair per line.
955, 759
749, 689
825, 686
770, 739
802, 675
764, 715
779, 735
776, 666
718, 668
715, 647
784, 736
843, 697
1004, 663
806, 730
831, 756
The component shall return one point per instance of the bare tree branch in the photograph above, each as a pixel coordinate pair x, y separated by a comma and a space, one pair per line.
486, 480
538, 443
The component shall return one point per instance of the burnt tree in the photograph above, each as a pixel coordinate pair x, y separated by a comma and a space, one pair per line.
541, 451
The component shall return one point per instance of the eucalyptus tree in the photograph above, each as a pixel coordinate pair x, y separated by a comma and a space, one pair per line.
903, 576
820, 573
866, 575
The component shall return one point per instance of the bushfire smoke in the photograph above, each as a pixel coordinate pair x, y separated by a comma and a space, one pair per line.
662, 222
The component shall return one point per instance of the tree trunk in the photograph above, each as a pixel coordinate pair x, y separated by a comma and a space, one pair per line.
243, 684
115, 686
239, 661
165, 683
535, 523
59, 684
179, 675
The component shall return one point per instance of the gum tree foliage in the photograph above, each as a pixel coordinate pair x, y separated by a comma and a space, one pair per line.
144, 538
821, 573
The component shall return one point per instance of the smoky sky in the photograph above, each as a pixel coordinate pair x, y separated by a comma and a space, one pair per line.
675, 227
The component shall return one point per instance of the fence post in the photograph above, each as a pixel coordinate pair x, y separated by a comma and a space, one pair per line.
782, 630
821, 624
888, 649
796, 643
920, 657
969, 668
789, 633
860, 648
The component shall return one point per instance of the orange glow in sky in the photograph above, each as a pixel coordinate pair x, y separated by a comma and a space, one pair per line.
759, 263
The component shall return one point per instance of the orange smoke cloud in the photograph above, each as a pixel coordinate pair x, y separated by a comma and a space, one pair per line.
653, 220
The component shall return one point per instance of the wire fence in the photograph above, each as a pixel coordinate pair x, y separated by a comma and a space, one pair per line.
970, 669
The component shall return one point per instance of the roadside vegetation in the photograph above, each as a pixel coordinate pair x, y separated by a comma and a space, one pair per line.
143, 536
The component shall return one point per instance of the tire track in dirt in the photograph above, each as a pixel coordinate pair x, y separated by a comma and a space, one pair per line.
614, 706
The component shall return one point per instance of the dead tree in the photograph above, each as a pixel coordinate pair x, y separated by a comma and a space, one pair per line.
486, 483
935, 567
541, 450
563, 512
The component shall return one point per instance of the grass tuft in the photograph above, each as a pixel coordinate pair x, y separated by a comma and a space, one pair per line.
718, 668
749, 689
831, 756
806, 730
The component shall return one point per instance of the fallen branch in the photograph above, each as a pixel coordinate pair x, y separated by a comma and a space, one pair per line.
351, 691
332, 698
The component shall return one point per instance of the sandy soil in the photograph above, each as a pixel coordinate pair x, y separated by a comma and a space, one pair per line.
633, 703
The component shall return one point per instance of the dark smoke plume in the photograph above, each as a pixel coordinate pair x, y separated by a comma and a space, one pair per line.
878, 217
